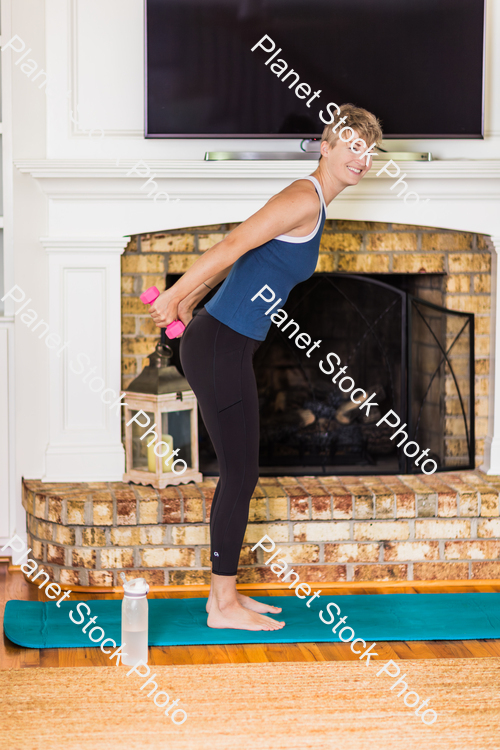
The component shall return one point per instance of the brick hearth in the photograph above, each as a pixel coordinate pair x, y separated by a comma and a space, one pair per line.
389, 528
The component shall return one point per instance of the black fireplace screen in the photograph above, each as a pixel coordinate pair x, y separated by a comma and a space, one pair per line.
415, 356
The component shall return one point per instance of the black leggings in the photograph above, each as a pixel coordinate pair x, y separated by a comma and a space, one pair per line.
217, 363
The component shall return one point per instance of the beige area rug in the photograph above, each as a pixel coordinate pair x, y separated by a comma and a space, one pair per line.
271, 706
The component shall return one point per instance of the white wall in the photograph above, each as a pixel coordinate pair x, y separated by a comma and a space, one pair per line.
102, 41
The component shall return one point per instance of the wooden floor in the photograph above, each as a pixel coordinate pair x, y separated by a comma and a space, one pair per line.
14, 586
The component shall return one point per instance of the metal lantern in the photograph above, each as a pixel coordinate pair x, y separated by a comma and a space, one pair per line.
161, 425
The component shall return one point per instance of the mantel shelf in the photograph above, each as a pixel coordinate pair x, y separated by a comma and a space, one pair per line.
456, 194
199, 169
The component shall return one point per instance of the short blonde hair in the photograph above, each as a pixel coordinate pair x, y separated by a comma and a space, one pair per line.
366, 125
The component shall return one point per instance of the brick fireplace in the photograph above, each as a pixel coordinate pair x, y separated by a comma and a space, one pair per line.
452, 269
348, 528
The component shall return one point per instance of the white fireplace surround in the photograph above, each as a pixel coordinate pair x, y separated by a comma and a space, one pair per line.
84, 264
72, 206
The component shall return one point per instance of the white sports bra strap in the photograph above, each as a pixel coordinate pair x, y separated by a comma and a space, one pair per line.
286, 237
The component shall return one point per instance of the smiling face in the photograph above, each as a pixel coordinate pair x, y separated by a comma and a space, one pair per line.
344, 165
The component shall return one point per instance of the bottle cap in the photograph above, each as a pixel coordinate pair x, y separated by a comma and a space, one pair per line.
136, 587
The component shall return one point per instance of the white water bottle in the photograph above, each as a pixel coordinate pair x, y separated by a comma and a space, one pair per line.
135, 621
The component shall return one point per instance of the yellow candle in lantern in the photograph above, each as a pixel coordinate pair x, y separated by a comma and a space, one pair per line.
168, 439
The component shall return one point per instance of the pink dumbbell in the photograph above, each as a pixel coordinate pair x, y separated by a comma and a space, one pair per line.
173, 329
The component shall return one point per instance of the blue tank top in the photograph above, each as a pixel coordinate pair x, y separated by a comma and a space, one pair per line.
281, 263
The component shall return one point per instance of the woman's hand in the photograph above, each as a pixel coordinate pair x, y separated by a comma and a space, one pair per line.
164, 308
185, 310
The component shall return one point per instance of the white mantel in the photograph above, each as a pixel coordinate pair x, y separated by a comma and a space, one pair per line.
93, 206
464, 194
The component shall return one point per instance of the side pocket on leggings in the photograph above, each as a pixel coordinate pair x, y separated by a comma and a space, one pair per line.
228, 379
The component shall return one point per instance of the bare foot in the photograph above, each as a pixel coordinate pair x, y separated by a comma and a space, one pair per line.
256, 606
249, 603
237, 617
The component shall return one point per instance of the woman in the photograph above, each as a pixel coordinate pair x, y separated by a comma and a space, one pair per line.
278, 246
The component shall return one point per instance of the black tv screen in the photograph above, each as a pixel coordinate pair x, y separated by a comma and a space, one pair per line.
416, 64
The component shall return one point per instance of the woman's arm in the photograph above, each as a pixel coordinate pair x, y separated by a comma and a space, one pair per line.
187, 305
293, 207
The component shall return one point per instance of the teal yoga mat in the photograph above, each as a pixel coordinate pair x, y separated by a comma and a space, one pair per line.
182, 622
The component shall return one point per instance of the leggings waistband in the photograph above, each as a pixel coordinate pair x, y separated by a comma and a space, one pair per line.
205, 314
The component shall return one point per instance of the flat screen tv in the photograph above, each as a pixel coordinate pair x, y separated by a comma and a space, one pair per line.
243, 68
